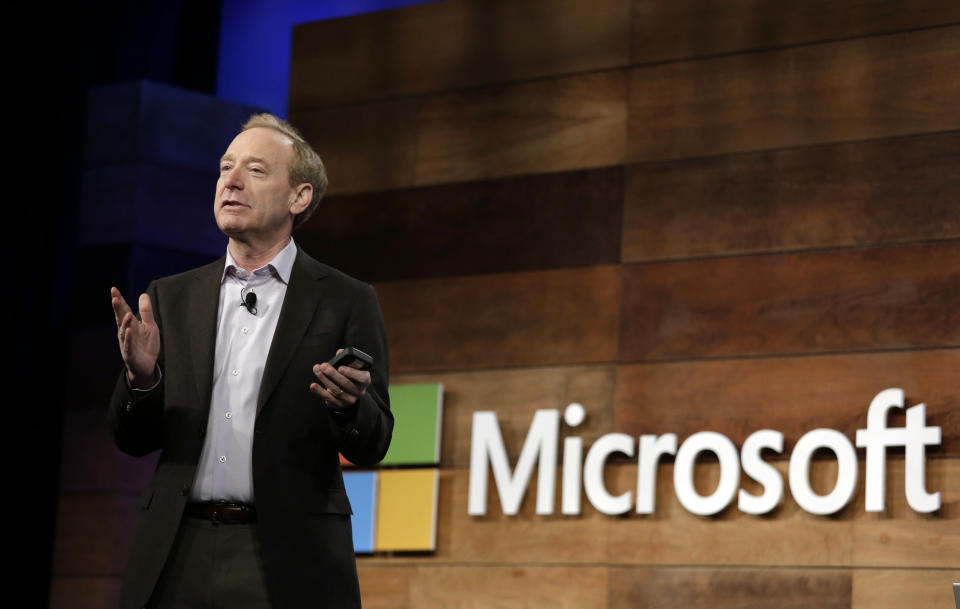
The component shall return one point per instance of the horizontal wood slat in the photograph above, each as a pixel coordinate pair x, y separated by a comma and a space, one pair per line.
704, 588
687, 28
865, 88
496, 321
848, 300
439, 46
545, 221
515, 395
791, 395
552, 125
673, 536
863, 193
578, 122
899, 588
365, 146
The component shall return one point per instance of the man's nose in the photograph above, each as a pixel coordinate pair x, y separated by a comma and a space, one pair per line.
231, 179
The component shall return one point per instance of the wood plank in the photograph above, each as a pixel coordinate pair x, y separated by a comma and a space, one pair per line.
663, 31
515, 395
899, 536
545, 221
385, 587
444, 587
491, 321
898, 588
94, 533
560, 124
705, 588
364, 146
875, 87
84, 592
838, 195
446, 45
846, 300
791, 395
673, 536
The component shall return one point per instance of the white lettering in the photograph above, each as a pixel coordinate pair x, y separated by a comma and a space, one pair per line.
487, 449
800, 471
726, 452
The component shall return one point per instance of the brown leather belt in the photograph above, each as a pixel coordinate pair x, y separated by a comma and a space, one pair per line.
222, 512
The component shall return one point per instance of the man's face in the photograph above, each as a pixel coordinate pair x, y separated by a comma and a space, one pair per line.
254, 198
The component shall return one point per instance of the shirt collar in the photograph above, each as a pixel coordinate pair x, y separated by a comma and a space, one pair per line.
281, 266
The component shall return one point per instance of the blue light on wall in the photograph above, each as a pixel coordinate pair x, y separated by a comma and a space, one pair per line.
255, 38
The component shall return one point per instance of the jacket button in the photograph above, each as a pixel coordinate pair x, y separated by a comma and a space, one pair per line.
185, 490
354, 433
129, 406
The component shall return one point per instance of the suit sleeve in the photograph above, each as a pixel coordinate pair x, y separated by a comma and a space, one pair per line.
363, 433
136, 417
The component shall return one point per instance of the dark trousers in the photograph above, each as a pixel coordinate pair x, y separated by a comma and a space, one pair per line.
212, 566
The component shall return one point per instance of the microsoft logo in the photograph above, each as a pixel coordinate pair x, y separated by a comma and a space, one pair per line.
395, 505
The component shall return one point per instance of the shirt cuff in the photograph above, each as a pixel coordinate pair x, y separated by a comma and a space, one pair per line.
137, 392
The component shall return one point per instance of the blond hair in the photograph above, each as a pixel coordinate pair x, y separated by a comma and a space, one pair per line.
306, 166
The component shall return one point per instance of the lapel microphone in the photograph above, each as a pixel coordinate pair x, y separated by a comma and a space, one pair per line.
248, 302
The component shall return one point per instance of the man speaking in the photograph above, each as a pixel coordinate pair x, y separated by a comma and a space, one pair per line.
226, 373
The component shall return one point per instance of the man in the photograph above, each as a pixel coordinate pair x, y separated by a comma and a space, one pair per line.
226, 373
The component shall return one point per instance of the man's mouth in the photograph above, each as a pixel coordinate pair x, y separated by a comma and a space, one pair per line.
234, 204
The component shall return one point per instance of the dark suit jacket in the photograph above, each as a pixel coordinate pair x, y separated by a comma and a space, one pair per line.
303, 520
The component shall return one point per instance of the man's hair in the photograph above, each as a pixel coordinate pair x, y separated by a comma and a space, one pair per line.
306, 166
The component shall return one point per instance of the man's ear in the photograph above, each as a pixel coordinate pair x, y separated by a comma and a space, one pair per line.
304, 194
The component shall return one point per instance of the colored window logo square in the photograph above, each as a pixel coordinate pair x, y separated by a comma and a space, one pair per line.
418, 411
362, 492
406, 510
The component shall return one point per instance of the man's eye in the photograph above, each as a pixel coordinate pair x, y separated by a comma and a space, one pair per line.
224, 168
257, 170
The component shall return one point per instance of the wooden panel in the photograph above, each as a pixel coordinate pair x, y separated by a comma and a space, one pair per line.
901, 537
667, 588
511, 586
899, 588
673, 536
84, 592
532, 222
446, 45
848, 300
492, 321
385, 587
364, 147
94, 532
858, 89
791, 395
515, 395
90, 461
554, 125
687, 28
864, 193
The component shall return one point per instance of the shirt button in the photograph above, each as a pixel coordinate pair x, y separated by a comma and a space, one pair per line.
223, 459
244, 330
235, 372
228, 415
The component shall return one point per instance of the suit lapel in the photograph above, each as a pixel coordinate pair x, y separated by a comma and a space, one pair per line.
203, 298
299, 306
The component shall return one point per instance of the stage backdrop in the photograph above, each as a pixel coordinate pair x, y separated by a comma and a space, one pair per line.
689, 215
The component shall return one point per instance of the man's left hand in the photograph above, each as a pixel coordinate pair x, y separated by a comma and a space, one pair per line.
339, 387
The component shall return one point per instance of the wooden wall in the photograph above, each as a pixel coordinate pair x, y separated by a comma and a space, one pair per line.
687, 215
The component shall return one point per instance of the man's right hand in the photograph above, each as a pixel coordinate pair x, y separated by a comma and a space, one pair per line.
139, 339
